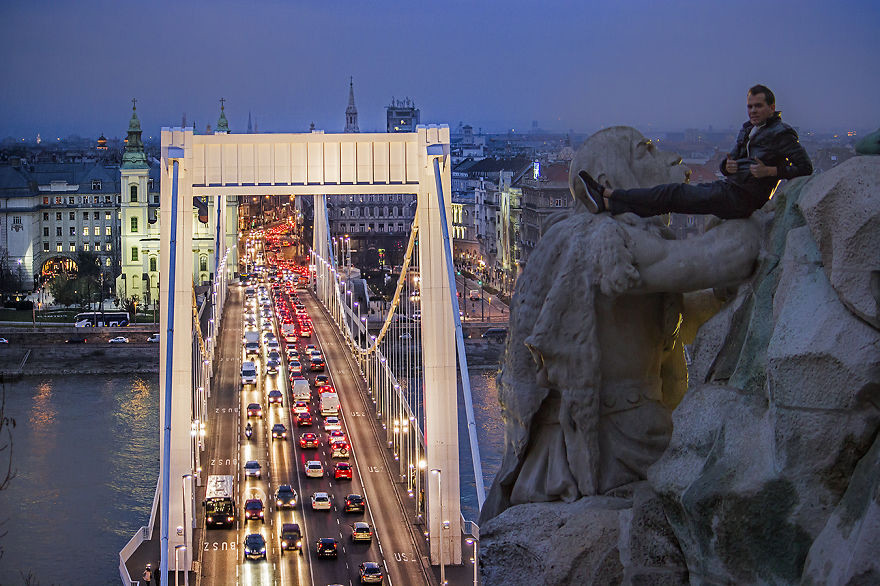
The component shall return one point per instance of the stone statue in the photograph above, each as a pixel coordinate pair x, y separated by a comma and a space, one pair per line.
595, 363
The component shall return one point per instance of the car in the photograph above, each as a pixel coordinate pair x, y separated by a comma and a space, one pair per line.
285, 497
336, 435
326, 547
361, 531
371, 573
154, 338
316, 364
301, 407
119, 340
291, 537
253, 468
339, 449
326, 389
322, 380
304, 419
309, 440
272, 344
254, 410
253, 509
272, 366
342, 471
331, 423
314, 469
292, 353
310, 348
275, 397
294, 367
321, 501
76, 340
279, 431
254, 547
354, 503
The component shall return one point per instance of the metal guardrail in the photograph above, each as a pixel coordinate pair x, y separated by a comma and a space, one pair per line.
135, 542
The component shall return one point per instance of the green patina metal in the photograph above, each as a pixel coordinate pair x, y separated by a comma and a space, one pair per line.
222, 123
134, 156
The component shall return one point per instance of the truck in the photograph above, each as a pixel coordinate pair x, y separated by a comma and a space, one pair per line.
220, 501
251, 342
329, 404
288, 332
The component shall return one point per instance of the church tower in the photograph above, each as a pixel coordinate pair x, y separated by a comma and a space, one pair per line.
133, 212
222, 123
351, 112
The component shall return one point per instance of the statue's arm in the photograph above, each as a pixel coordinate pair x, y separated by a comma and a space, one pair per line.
723, 256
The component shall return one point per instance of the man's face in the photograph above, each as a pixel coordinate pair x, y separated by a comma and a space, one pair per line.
759, 110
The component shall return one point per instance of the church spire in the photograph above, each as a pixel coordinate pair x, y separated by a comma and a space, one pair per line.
351, 113
222, 123
250, 128
134, 156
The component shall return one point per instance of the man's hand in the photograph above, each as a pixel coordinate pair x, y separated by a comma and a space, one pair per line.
730, 165
761, 170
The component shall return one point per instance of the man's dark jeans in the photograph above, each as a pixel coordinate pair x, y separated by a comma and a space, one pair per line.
719, 198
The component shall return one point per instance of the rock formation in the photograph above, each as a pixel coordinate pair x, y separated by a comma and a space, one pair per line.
772, 469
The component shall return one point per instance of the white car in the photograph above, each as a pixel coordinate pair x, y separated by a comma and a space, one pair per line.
321, 500
253, 468
153, 339
332, 424
314, 469
119, 340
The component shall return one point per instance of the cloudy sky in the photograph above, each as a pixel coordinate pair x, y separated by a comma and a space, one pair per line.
73, 66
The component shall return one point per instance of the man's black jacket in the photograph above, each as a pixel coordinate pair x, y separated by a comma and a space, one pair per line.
776, 145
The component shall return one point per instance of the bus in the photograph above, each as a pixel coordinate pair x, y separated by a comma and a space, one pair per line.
101, 318
220, 501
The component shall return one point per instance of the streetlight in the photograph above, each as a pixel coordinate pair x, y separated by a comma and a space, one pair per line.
177, 549
473, 541
183, 502
439, 474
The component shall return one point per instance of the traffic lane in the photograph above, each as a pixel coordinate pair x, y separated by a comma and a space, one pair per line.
219, 547
391, 525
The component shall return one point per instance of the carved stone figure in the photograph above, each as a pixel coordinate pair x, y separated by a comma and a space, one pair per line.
595, 362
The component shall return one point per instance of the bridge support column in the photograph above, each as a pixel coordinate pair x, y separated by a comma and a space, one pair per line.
321, 243
182, 340
438, 356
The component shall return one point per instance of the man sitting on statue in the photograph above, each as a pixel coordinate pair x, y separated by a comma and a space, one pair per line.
766, 150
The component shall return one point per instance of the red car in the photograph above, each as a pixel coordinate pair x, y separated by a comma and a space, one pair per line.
253, 509
304, 419
308, 440
343, 470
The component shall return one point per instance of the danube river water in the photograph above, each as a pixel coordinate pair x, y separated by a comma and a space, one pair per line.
85, 449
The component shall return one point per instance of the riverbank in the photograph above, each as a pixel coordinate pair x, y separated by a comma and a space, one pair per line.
43, 351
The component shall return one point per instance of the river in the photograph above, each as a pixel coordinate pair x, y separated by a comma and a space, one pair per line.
86, 448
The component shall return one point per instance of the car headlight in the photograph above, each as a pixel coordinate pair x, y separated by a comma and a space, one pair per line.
299, 543
283, 544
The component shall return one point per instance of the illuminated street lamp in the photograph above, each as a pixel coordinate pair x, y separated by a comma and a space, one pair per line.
474, 541
177, 549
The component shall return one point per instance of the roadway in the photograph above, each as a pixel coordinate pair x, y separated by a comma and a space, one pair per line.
220, 551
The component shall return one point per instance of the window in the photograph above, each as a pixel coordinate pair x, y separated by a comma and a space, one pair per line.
96, 185
71, 246
106, 215
16, 220
45, 200
153, 264
106, 230
150, 183
203, 263
96, 215
85, 230
107, 262
85, 215
45, 216
134, 225
85, 246
72, 216
134, 193
58, 247
691, 221
156, 199
134, 254
57, 216
71, 200
45, 230
58, 231
107, 248
59, 199
107, 199
73, 230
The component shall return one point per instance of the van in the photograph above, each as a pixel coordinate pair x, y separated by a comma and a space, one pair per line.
329, 404
248, 373
300, 390
291, 537
495, 334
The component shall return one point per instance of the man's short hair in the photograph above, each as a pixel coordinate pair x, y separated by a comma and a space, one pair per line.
769, 98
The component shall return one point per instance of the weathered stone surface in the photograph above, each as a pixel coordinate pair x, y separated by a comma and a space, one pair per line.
847, 551
842, 209
594, 540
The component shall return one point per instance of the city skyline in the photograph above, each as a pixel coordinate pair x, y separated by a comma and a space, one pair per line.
73, 68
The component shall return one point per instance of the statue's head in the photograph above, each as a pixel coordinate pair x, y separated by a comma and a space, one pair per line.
622, 157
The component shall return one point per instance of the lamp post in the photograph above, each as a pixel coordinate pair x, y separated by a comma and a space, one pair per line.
439, 474
473, 541
177, 549
183, 502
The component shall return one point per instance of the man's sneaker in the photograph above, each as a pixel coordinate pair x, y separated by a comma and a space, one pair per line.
589, 192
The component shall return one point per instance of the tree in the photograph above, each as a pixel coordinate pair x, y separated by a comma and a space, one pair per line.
63, 290
130, 304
